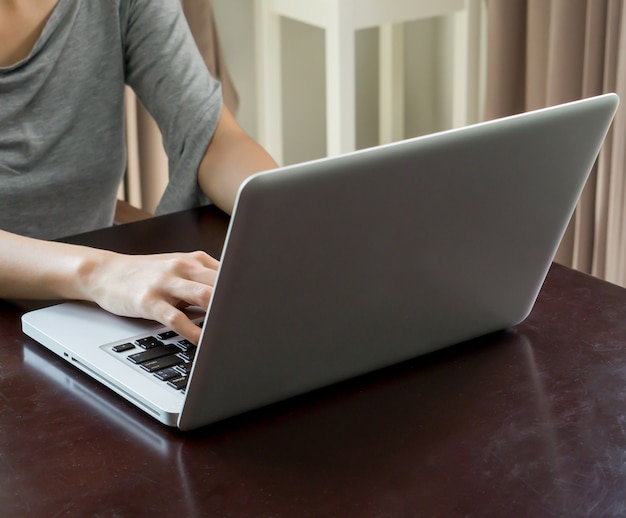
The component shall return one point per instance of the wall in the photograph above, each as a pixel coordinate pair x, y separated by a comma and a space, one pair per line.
428, 78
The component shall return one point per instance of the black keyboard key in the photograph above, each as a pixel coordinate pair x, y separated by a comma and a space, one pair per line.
161, 363
149, 342
151, 354
188, 355
178, 383
167, 335
184, 345
183, 368
123, 347
167, 374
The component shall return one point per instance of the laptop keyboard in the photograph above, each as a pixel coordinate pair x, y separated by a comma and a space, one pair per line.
167, 356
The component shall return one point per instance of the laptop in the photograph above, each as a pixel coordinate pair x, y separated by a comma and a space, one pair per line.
341, 266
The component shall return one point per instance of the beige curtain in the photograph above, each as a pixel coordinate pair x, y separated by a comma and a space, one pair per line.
544, 52
147, 171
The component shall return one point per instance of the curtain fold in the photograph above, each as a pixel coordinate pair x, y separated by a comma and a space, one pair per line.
546, 52
147, 168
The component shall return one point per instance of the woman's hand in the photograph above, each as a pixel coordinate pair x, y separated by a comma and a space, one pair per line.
154, 287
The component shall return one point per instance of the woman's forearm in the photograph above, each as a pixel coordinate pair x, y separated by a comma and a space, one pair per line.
232, 156
36, 269
154, 287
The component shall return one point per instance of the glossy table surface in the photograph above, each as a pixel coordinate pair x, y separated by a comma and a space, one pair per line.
525, 422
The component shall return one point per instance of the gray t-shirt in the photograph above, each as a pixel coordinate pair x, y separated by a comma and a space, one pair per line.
62, 145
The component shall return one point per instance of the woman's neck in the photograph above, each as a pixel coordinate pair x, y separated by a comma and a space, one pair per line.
21, 24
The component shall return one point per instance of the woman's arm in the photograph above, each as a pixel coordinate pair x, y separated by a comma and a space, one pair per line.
153, 286
231, 157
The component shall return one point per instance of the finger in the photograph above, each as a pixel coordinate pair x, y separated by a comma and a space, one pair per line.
188, 292
198, 259
206, 260
176, 320
204, 276
196, 266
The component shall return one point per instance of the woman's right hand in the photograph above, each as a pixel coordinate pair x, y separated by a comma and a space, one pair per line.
155, 287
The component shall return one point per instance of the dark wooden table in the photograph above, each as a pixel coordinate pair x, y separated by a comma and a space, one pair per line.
526, 422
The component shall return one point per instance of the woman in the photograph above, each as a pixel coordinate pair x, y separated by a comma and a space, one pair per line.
63, 68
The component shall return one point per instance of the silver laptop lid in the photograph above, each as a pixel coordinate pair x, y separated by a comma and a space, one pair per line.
340, 266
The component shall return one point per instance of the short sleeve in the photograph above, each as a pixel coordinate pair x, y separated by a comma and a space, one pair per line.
165, 69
